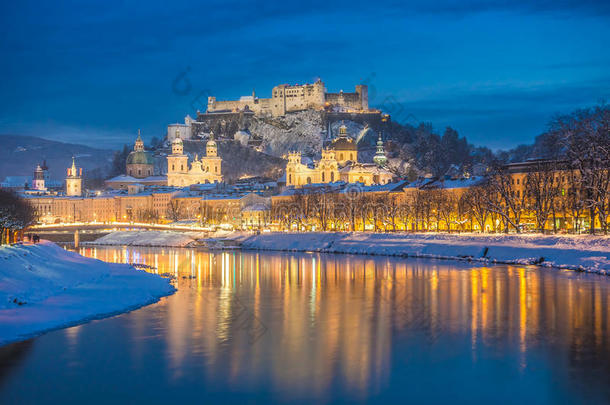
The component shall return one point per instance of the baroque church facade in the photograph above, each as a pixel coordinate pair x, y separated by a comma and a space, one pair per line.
339, 162
207, 169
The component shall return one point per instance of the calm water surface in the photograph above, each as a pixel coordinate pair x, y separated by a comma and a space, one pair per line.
248, 327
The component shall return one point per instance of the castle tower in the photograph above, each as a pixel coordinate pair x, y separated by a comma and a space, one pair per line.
38, 182
363, 92
380, 157
74, 180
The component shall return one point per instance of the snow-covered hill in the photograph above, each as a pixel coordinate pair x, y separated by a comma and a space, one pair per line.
300, 131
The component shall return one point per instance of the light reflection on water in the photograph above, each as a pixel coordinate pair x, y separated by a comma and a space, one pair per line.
304, 327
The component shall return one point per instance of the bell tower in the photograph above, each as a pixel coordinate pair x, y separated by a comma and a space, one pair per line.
211, 149
74, 180
212, 163
139, 146
380, 157
38, 183
177, 163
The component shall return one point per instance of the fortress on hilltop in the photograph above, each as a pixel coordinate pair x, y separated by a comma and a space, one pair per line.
289, 98
226, 117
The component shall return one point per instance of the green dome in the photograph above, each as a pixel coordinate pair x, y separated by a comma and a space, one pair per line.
140, 158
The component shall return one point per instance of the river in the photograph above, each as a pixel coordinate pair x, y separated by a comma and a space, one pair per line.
249, 327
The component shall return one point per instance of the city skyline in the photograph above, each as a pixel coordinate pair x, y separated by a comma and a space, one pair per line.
495, 72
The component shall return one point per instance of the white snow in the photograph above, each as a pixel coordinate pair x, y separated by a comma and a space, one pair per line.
43, 287
583, 252
147, 238
588, 253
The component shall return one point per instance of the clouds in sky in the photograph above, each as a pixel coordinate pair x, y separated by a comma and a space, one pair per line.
496, 71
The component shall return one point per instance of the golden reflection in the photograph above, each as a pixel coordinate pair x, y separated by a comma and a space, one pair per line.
311, 316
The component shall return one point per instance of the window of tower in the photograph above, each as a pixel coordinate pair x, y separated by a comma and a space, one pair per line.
332, 176
323, 177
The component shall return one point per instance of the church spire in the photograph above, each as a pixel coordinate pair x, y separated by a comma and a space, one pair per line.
139, 146
73, 168
380, 157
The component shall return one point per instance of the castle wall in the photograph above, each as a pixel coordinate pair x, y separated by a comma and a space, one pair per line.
350, 100
183, 130
372, 119
223, 124
363, 90
289, 98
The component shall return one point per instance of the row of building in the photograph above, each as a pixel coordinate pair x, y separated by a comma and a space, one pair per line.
422, 205
193, 190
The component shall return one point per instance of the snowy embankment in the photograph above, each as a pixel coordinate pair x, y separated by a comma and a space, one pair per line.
43, 287
588, 253
147, 238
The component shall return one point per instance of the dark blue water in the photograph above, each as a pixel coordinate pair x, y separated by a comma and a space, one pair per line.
246, 327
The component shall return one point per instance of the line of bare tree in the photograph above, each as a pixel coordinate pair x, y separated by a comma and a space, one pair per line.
567, 191
16, 214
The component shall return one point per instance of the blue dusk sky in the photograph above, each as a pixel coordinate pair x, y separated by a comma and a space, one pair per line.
93, 72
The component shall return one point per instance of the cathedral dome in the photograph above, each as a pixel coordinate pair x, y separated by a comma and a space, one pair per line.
140, 158
344, 143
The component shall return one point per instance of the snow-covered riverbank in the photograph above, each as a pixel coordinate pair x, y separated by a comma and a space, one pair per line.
43, 287
168, 239
148, 238
572, 252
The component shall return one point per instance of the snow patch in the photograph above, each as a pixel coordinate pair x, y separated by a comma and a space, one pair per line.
147, 238
584, 253
43, 287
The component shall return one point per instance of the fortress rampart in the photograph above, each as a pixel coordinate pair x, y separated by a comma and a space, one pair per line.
289, 98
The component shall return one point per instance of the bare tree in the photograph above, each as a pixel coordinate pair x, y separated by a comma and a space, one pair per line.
477, 199
506, 198
322, 207
585, 135
393, 206
16, 214
174, 210
542, 187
